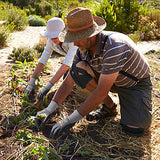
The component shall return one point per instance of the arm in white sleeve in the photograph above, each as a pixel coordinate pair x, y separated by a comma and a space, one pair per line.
47, 52
70, 55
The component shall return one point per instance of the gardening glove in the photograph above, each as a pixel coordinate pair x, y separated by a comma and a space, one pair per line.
65, 124
44, 91
45, 114
30, 87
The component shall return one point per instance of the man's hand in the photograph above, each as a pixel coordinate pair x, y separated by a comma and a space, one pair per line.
44, 91
45, 114
42, 117
65, 124
30, 87
60, 127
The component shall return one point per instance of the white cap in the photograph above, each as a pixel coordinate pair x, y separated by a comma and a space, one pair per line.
54, 27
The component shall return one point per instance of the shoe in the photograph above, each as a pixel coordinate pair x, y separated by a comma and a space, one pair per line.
133, 132
102, 113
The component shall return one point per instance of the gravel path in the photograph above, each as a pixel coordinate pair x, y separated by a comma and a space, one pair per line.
146, 46
31, 35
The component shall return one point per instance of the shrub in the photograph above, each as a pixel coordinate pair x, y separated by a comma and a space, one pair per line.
36, 21
136, 37
120, 15
4, 33
21, 54
148, 28
17, 19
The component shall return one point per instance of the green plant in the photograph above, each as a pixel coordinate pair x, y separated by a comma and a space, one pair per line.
17, 19
24, 53
36, 21
120, 15
148, 28
135, 37
25, 137
40, 47
42, 152
4, 33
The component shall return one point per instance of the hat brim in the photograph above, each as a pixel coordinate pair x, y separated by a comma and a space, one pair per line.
49, 34
73, 36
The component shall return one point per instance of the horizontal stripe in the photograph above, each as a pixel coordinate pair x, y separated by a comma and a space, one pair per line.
109, 64
117, 55
114, 49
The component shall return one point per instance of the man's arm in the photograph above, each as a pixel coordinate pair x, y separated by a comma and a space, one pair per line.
61, 71
99, 94
64, 90
94, 99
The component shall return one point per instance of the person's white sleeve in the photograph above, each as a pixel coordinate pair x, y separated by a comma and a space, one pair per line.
70, 55
47, 52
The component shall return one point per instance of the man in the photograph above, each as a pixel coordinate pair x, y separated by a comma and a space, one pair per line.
54, 27
105, 61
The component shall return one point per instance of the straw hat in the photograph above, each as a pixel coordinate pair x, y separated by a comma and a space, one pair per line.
81, 25
54, 27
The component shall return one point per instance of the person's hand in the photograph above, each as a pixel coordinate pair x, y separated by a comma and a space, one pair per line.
30, 87
42, 117
65, 124
60, 127
45, 114
44, 91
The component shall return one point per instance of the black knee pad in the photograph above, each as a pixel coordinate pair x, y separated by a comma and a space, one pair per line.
80, 76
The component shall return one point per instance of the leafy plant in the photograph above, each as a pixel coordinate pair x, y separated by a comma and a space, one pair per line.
35, 20
42, 152
120, 15
4, 33
25, 137
148, 28
17, 19
22, 54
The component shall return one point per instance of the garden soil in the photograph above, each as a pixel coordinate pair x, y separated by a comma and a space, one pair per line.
105, 138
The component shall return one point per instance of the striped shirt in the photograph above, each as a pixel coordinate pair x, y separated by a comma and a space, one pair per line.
119, 53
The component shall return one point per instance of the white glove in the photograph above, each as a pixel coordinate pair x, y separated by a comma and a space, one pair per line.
44, 91
30, 87
65, 124
44, 115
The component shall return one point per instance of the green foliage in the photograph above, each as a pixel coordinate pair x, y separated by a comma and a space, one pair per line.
40, 47
25, 137
4, 33
135, 37
36, 21
148, 28
84, 153
107, 12
42, 152
38, 150
120, 15
61, 7
44, 8
154, 15
15, 17
24, 53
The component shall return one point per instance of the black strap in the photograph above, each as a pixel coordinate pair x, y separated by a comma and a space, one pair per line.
79, 55
122, 72
129, 75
